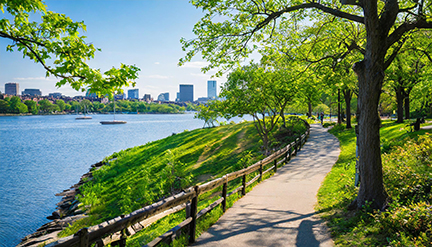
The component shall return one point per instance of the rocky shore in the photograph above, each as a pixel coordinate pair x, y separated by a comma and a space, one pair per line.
68, 211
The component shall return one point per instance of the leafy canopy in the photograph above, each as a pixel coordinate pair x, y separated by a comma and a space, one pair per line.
55, 42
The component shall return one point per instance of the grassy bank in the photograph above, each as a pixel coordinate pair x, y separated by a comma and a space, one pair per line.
407, 167
142, 175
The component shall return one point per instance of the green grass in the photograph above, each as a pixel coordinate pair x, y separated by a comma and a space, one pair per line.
407, 180
139, 176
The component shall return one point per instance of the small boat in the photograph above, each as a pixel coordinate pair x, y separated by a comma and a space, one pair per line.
84, 117
113, 122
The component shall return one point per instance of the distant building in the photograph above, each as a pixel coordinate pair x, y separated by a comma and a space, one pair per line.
55, 95
121, 96
91, 95
147, 97
211, 89
12, 88
32, 92
186, 93
133, 93
163, 97
177, 97
203, 99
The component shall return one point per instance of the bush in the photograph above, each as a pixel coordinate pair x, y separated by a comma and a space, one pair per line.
408, 171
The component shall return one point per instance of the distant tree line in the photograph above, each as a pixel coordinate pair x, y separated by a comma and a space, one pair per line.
14, 105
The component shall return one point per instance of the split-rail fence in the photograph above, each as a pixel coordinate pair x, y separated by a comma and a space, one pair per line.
122, 225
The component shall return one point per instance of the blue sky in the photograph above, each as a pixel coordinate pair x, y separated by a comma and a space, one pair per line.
141, 32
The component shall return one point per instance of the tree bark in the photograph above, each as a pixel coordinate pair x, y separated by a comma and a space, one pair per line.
399, 103
310, 108
370, 73
407, 103
348, 96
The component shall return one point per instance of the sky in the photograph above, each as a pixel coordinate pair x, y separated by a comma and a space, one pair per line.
145, 33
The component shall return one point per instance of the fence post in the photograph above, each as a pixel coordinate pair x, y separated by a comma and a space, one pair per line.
244, 185
224, 194
288, 154
83, 237
123, 237
300, 143
275, 165
261, 172
193, 212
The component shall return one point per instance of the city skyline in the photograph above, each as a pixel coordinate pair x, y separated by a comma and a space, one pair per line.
132, 32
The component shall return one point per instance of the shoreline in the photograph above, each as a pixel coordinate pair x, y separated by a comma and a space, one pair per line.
67, 213
99, 113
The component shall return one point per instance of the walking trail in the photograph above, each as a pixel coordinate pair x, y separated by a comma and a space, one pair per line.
280, 210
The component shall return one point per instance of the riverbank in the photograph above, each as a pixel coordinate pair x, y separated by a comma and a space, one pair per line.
43, 155
128, 181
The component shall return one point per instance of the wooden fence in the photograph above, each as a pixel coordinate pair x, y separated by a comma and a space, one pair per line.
187, 199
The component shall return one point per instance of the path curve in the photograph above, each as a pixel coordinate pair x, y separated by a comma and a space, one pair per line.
280, 210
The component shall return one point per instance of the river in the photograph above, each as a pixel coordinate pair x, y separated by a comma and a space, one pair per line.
43, 155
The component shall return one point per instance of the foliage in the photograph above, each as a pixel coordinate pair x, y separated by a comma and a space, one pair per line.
208, 113
260, 92
55, 43
407, 177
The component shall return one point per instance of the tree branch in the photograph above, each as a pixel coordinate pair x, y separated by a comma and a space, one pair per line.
405, 27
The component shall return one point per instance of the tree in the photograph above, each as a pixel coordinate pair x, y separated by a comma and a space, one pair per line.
247, 25
16, 106
47, 107
4, 106
56, 38
61, 104
256, 91
32, 106
208, 113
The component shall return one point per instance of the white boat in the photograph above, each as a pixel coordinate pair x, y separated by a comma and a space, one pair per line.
113, 121
84, 117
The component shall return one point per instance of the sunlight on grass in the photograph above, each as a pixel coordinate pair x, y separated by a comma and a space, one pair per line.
368, 228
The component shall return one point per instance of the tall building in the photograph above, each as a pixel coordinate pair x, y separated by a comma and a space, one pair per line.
186, 93
32, 92
211, 90
133, 93
163, 97
147, 97
55, 95
11, 88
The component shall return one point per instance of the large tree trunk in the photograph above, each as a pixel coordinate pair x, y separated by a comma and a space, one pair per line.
399, 103
310, 107
370, 165
348, 96
370, 73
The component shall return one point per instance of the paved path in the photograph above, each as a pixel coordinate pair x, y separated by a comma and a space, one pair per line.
280, 210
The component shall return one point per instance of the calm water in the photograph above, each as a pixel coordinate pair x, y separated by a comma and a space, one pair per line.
43, 155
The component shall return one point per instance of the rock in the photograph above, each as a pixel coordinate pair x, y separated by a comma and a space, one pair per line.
55, 215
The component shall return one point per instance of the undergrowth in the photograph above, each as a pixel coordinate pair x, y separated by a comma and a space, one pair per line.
407, 175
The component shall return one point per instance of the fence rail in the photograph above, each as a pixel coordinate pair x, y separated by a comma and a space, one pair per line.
151, 213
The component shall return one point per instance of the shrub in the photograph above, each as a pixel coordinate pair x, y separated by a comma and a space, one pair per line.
408, 170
